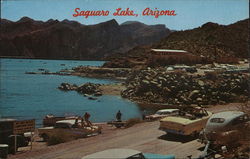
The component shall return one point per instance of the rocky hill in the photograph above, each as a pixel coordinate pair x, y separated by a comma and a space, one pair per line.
66, 39
178, 88
211, 40
214, 42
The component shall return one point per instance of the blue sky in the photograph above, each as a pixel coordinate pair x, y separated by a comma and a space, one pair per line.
190, 13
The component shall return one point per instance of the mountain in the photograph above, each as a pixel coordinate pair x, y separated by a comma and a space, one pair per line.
66, 39
211, 40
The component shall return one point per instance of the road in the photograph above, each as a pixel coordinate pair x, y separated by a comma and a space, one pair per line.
144, 137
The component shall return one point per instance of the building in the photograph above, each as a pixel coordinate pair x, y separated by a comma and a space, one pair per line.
168, 52
169, 57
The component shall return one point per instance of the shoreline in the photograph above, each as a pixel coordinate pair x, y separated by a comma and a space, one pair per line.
112, 89
129, 82
34, 58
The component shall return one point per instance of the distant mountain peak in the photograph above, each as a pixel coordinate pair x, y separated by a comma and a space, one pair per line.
25, 19
5, 21
112, 21
210, 25
108, 24
131, 22
66, 21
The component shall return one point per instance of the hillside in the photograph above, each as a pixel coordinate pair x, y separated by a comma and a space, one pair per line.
212, 41
66, 39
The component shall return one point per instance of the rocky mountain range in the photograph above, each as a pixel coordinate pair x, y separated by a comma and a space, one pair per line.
66, 39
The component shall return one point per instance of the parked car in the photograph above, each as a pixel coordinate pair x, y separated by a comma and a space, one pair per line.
224, 131
50, 120
125, 154
67, 127
162, 113
185, 123
224, 123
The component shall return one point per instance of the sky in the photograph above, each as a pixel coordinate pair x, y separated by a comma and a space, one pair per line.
189, 13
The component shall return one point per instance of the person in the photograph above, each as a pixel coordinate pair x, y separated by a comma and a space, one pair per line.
86, 118
75, 125
198, 112
82, 122
144, 115
119, 116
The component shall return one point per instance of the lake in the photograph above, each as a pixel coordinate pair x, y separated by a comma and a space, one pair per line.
32, 96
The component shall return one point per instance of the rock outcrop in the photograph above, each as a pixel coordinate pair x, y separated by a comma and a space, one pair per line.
101, 72
87, 89
67, 87
177, 88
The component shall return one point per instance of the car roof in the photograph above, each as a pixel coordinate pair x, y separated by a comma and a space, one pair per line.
167, 110
180, 120
158, 156
183, 120
67, 121
227, 115
112, 153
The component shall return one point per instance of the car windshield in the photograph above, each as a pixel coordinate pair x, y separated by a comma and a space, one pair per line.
137, 156
158, 112
241, 119
217, 120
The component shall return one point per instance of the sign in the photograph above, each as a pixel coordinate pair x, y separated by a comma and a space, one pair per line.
20, 127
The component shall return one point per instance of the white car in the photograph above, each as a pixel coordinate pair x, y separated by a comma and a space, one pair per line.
162, 113
125, 154
67, 127
224, 129
224, 122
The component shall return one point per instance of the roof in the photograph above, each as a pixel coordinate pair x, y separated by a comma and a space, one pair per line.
167, 110
168, 50
112, 153
6, 120
181, 66
227, 115
67, 121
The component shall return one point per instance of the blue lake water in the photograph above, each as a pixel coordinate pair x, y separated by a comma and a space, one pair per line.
32, 96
